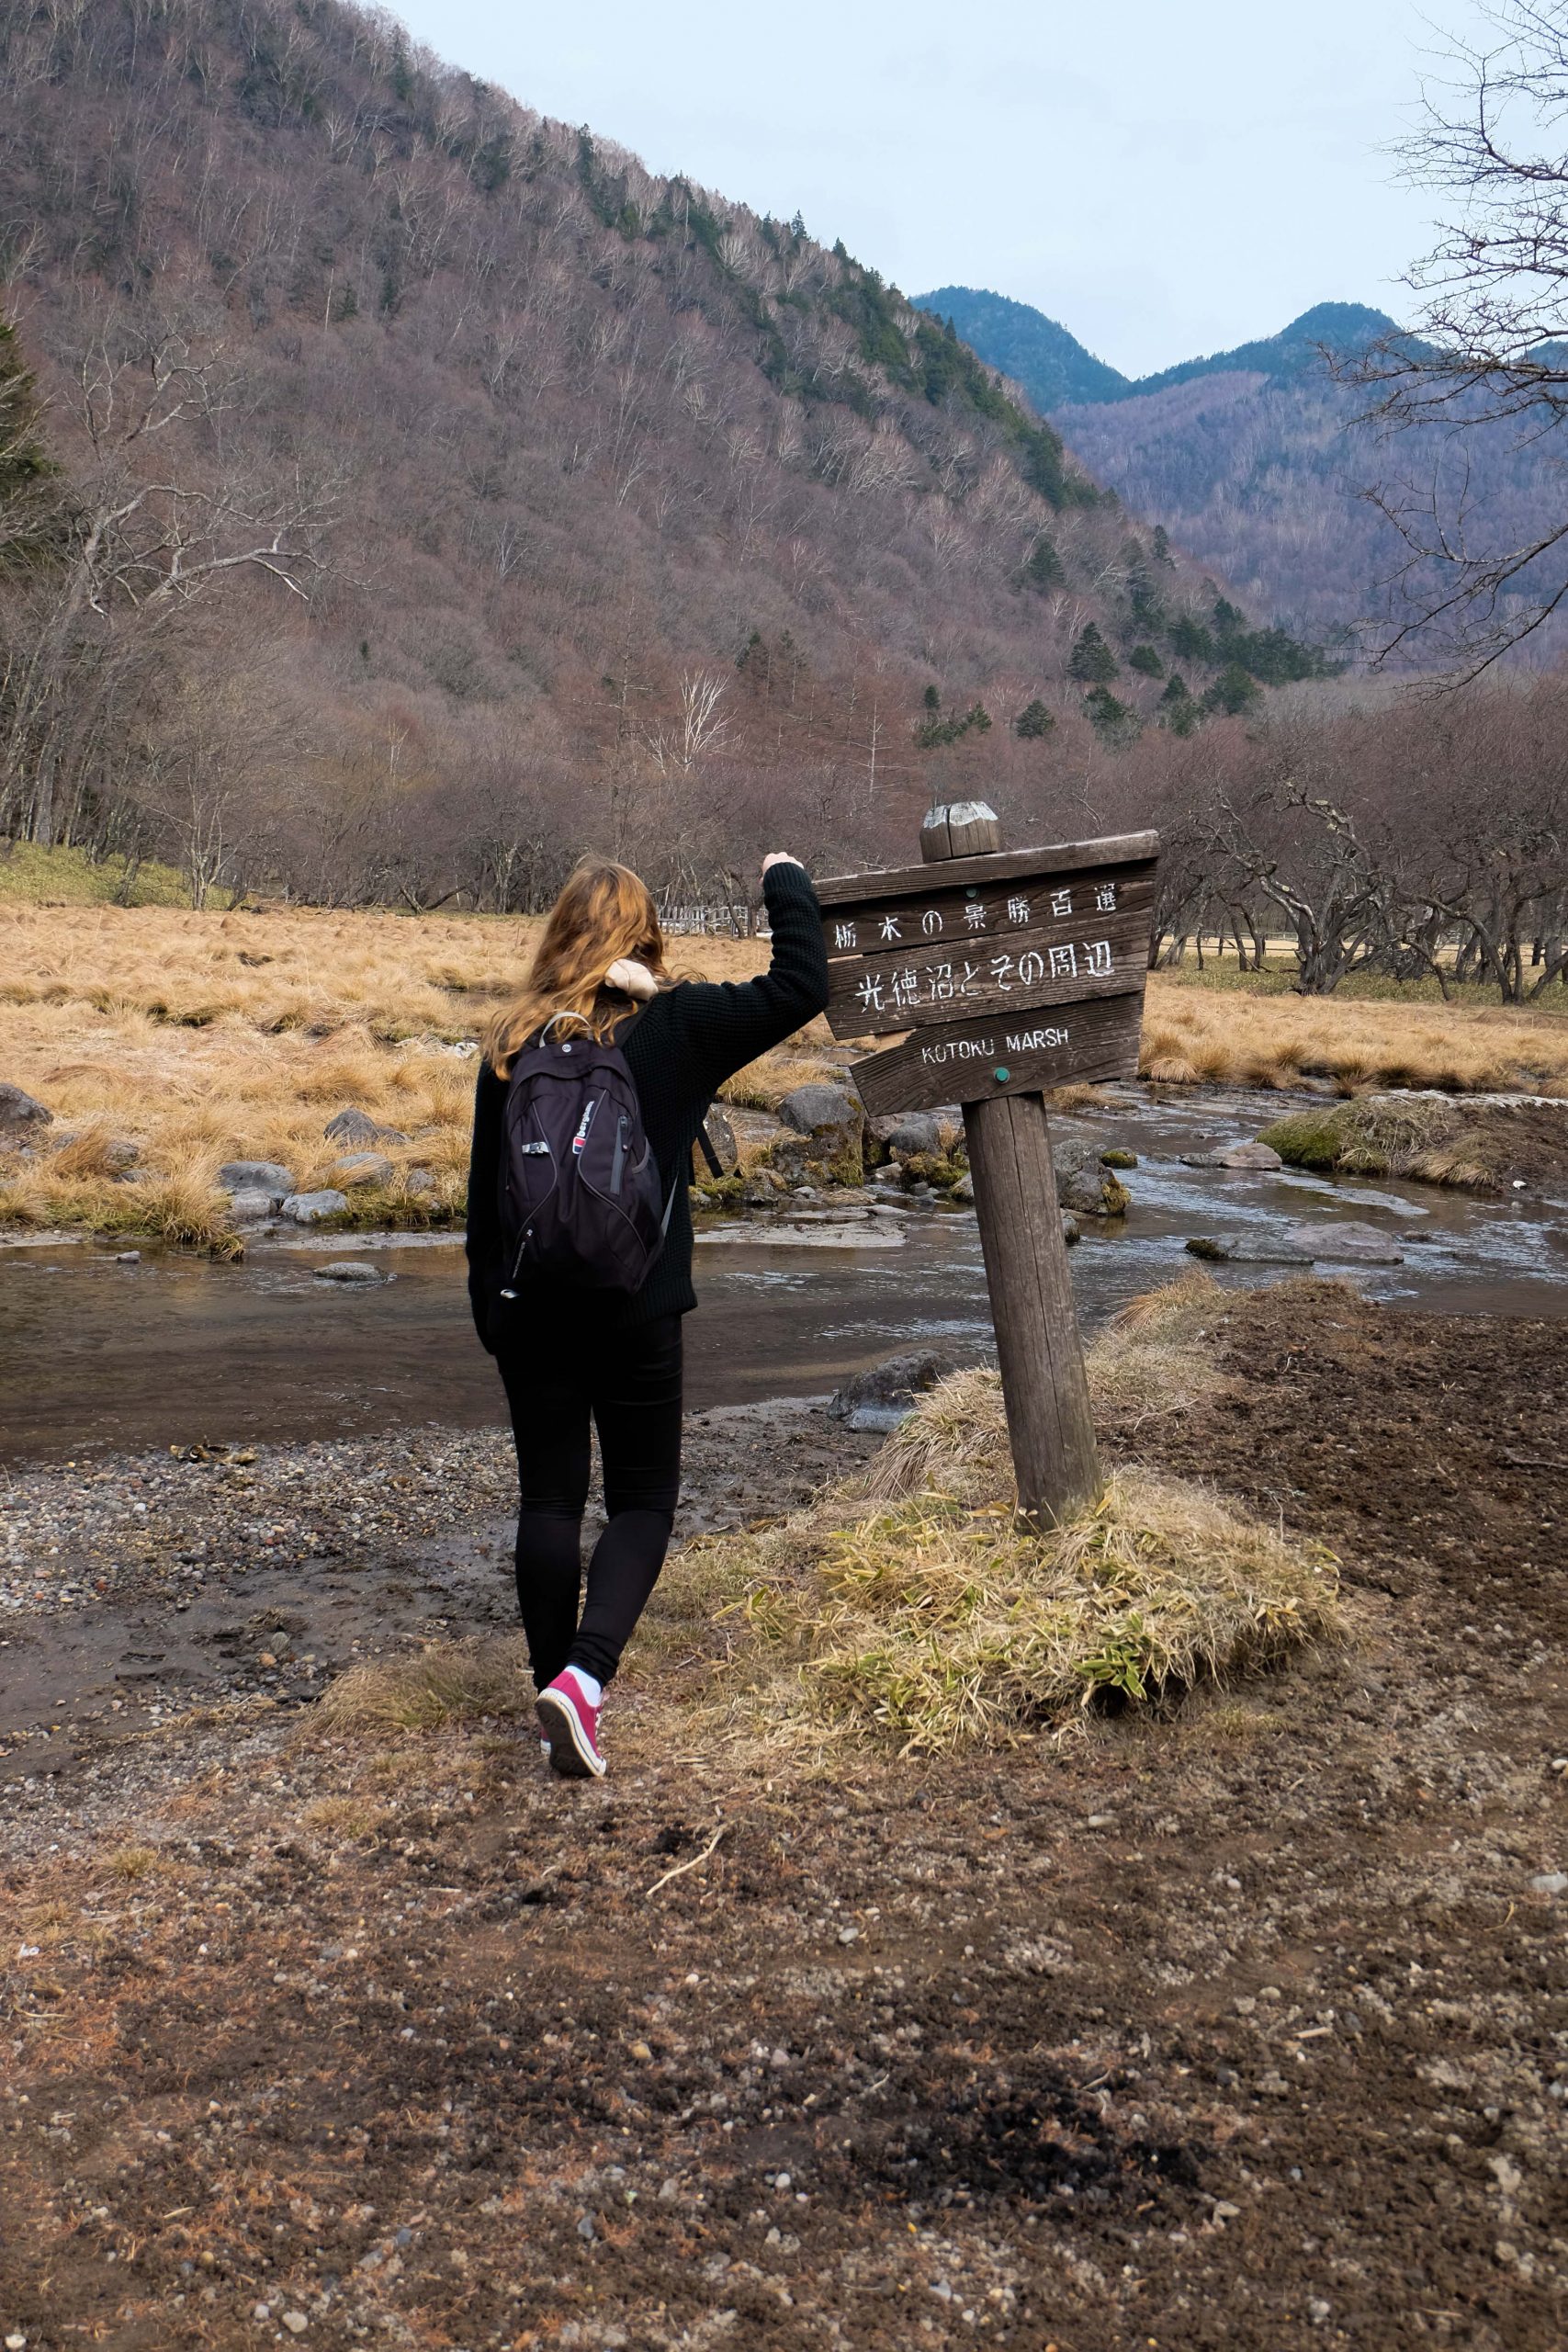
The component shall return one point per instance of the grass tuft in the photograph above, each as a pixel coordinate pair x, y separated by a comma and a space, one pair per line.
935, 1624
448, 1685
905, 1605
130, 1863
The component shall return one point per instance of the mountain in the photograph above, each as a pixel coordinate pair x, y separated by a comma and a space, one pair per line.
1341, 329
1258, 462
1051, 365
439, 490
1055, 370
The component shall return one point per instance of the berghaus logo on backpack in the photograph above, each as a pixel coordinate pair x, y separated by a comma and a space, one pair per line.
580, 1199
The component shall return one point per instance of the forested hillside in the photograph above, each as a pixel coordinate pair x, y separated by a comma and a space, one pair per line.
434, 490
1255, 461
1052, 366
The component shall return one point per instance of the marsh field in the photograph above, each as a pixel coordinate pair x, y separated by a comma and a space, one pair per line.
1145, 1936
203, 1039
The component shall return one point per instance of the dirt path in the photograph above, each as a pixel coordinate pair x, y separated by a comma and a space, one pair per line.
1236, 2031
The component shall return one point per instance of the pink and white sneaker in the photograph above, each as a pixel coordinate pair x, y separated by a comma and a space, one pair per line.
569, 1722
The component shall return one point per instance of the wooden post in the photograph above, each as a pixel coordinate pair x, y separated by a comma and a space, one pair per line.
1050, 1427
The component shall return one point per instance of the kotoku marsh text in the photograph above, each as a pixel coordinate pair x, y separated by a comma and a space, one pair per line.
985, 1049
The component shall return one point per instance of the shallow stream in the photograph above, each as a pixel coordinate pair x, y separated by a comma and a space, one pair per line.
174, 1350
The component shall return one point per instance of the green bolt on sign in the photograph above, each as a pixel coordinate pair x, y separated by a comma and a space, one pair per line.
965, 972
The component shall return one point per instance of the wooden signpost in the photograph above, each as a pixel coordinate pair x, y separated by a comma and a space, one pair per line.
1009, 972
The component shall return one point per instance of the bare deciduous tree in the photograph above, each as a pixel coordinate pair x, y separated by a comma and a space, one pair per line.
1487, 347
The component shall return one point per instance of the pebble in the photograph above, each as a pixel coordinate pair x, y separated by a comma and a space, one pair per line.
1551, 1882
296, 2322
310, 1208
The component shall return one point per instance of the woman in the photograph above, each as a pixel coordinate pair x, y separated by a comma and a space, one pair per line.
569, 1356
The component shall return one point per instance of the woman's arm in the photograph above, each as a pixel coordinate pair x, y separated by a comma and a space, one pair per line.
726, 1023
483, 1242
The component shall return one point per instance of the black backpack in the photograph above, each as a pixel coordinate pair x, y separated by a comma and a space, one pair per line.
581, 1198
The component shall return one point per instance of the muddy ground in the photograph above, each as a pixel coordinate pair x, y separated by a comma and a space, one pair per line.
1244, 2029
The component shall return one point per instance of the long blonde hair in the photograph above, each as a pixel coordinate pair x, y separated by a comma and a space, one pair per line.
604, 913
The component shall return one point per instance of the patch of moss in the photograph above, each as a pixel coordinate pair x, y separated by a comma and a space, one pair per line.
1117, 1157
941, 1170
718, 1191
1308, 1139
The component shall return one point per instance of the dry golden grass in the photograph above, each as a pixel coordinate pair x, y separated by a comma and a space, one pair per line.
1230, 1038
128, 1863
204, 1037
937, 1624
905, 1605
445, 1683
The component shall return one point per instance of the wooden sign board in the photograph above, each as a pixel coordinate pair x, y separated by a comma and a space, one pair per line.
965, 956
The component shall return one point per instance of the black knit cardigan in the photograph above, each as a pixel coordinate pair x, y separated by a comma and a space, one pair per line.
680, 1048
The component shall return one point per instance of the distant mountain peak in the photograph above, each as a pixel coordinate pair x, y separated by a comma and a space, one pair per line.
1341, 328
1052, 366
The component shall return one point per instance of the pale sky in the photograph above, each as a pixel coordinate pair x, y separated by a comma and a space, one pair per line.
1166, 177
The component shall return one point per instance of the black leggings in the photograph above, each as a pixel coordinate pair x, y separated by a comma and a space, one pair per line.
628, 1383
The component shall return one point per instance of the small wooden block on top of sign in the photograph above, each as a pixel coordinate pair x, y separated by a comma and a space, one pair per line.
966, 955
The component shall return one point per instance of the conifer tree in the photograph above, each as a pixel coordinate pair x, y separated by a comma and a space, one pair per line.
1033, 722
1109, 716
1043, 569
1092, 662
29, 515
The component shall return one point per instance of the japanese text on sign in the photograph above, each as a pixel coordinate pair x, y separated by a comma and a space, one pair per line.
1016, 910
951, 981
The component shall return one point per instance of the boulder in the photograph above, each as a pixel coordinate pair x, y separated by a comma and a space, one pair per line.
310, 1208
362, 1168
1071, 1229
915, 1132
250, 1207
358, 1128
1251, 1155
1228, 1250
256, 1176
1118, 1156
420, 1180
1235, 1154
811, 1109
1083, 1185
825, 1144
1347, 1242
19, 1111
882, 1398
352, 1270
